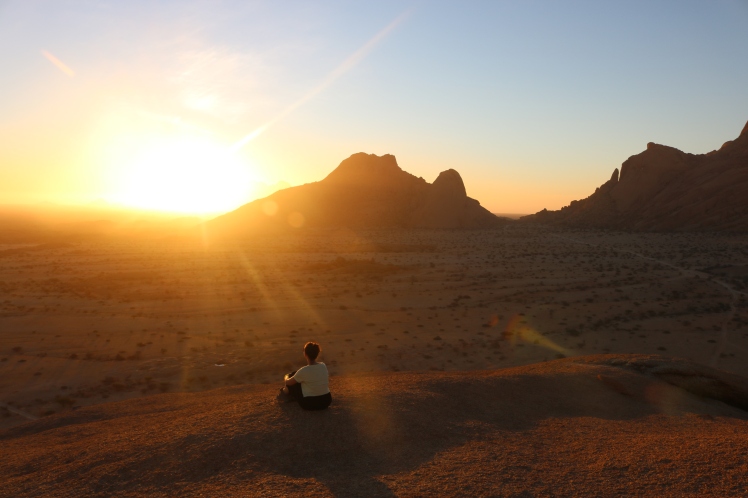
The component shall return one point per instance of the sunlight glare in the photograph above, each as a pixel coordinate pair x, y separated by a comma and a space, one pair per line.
189, 176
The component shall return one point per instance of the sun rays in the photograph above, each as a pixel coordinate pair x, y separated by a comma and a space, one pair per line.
336, 73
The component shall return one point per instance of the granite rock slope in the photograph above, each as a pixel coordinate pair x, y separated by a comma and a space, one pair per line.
608, 425
665, 189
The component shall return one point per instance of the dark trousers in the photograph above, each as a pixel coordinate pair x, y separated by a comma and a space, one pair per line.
308, 402
295, 391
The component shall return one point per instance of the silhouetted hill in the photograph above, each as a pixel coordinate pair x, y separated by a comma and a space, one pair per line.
609, 425
365, 191
665, 189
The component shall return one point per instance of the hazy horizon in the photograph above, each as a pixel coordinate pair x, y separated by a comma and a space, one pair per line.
194, 107
156, 323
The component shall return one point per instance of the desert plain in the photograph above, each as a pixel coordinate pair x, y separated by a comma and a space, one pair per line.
91, 321
122, 317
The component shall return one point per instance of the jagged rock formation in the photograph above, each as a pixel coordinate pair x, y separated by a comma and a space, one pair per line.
664, 189
365, 191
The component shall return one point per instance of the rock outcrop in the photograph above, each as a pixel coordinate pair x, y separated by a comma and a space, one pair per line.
623, 425
364, 191
664, 189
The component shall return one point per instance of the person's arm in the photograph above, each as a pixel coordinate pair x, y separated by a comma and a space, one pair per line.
291, 381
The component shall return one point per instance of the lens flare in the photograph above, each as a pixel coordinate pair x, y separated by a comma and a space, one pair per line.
296, 219
668, 399
270, 207
517, 330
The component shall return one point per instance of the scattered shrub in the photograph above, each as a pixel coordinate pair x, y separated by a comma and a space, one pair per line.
64, 400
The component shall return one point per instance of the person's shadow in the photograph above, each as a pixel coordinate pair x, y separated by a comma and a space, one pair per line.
383, 425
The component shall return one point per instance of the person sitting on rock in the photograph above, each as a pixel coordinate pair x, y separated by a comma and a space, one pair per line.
309, 385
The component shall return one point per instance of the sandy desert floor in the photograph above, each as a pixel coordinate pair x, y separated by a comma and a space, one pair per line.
84, 322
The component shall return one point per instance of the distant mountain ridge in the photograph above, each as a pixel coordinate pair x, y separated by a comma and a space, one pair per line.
665, 189
364, 191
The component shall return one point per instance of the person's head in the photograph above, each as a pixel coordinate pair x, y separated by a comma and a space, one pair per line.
311, 350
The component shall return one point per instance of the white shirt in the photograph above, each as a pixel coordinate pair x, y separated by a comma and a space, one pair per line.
313, 380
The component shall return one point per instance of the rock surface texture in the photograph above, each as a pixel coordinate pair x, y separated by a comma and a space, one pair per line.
664, 189
612, 425
364, 191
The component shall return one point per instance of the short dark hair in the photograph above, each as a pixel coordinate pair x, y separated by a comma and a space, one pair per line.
312, 349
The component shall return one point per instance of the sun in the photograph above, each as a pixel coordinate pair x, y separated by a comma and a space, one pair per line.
186, 175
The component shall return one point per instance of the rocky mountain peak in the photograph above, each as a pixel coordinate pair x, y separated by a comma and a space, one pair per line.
364, 191
663, 188
369, 169
614, 176
450, 182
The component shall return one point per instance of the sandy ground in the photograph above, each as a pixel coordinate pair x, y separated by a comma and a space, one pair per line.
104, 319
593, 426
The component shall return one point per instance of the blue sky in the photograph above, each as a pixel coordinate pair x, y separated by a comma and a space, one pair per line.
533, 102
